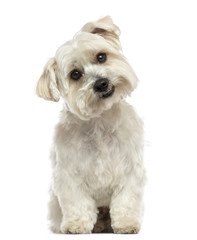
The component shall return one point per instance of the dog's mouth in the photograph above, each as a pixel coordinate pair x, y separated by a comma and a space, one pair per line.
107, 93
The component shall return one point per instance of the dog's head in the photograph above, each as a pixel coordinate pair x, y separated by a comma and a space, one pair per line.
89, 72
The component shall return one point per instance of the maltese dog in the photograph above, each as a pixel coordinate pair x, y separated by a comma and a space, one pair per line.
97, 155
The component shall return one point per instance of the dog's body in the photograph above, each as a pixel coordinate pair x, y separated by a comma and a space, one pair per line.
98, 143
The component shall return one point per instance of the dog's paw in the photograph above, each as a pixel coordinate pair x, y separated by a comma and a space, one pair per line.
54, 229
79, 227
123, 227
127, 230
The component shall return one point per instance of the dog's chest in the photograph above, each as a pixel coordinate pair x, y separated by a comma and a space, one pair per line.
95, 153
100, 151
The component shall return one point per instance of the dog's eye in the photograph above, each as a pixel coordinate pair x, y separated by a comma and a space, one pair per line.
101, 57
75, 75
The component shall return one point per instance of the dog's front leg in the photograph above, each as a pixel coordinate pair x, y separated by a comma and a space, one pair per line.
78, 209
126, 210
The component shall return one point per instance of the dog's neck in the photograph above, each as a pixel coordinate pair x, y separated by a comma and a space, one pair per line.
108, 117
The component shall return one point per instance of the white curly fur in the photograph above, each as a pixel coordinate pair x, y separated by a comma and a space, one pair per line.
98, 143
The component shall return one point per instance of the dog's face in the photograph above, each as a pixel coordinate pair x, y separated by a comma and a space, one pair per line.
89, 72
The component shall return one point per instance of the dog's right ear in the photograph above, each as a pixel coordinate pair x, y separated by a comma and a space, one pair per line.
47, 84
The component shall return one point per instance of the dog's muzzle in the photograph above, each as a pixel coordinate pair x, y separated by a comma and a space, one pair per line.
104, 88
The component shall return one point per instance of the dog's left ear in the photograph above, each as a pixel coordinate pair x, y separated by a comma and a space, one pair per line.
105, 28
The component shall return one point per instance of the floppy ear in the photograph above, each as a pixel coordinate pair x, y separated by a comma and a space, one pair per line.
105, 28
47, 85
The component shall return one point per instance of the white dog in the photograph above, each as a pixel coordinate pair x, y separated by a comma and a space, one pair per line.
98, 143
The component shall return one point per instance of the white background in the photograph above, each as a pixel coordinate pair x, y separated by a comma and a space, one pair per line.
160, 40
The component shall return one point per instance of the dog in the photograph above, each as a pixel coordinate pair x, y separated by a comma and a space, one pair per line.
97, 155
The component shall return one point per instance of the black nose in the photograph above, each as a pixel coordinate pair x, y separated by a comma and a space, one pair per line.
101, 85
